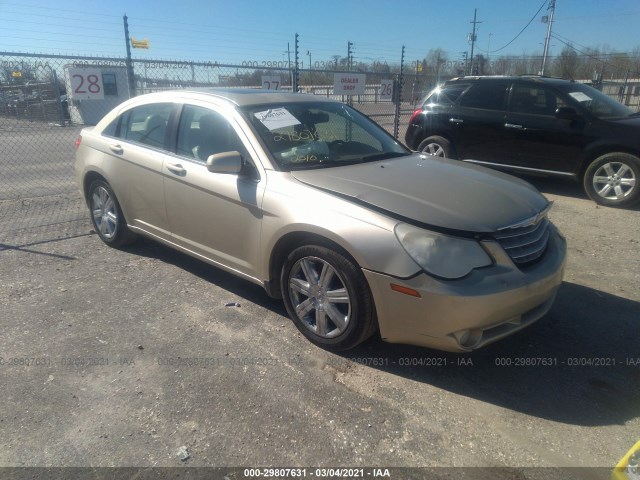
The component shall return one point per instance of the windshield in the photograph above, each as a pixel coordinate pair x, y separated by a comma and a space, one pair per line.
301, 136
596, 102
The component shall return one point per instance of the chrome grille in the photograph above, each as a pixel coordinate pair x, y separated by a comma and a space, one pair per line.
525, 244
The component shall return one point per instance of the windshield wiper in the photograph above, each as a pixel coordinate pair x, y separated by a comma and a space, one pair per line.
311, 166
383, 156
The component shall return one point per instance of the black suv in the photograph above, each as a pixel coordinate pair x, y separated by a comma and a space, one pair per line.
535, 125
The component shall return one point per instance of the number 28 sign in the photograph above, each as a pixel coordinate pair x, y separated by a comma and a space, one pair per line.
86, 84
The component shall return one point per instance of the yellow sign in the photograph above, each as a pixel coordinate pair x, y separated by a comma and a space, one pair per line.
139, 43
16, 74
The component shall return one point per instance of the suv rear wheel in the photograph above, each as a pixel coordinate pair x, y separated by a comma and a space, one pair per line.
612, 179
436, 145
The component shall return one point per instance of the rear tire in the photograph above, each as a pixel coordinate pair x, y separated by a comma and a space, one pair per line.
327, 297
106, 215
613, 179
436, 146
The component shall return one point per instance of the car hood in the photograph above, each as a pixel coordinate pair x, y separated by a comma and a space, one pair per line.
446, 194
631, 122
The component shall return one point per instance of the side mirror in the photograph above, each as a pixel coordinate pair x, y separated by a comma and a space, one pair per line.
225, 162
566, 113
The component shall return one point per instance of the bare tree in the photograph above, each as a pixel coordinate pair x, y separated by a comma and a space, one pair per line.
567, 64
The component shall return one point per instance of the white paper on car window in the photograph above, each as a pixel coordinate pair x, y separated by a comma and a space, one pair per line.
581, 97
275, 118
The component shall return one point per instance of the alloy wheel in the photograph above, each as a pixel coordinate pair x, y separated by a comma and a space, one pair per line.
434, 149
320, 297
614, 181
104, 212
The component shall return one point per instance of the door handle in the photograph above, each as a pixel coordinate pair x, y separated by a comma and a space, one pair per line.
176, 168
116, 149
513, 125
456, 120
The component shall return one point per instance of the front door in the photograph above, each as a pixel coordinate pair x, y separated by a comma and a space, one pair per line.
543, 142
215, 215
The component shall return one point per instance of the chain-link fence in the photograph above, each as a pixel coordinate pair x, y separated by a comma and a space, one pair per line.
626, 91
38, 198
46, 100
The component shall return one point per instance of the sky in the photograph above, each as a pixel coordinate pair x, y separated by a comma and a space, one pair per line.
238, 32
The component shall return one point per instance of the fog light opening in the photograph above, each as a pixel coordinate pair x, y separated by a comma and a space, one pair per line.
469, 338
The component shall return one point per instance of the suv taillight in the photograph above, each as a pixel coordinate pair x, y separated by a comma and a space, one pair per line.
415, 114
78, 141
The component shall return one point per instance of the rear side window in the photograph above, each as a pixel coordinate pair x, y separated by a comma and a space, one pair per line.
446, 95
486, 95
112, 128
146, 124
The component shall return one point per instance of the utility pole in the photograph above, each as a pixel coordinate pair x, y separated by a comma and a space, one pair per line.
552, 7
473, 36
128, 62
349, 56
290, 68
397, 92
296, 73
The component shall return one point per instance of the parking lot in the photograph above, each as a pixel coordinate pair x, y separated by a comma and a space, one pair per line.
121, 357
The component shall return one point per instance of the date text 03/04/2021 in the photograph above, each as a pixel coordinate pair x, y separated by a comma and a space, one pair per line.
325, 472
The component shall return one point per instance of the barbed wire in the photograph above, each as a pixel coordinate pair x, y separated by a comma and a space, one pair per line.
187, 39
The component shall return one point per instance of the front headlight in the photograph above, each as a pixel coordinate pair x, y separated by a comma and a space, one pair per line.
441, 255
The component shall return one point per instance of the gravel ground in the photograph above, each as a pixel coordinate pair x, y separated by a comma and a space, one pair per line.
133, 354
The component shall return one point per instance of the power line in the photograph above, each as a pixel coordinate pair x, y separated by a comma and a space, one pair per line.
62, 18
521, 31
22, 5
593, 57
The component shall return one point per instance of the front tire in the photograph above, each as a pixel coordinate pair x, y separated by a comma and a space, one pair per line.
612, 179
436, 145
106, 215
327, 297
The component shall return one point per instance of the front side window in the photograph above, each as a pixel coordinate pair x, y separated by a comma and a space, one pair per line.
485, 95
318, 135
203, 132
535, 100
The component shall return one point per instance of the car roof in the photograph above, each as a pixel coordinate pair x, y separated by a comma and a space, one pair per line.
241, 97
512, 78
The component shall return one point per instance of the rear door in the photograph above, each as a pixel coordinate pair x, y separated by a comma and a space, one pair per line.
136, 145
477, 126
